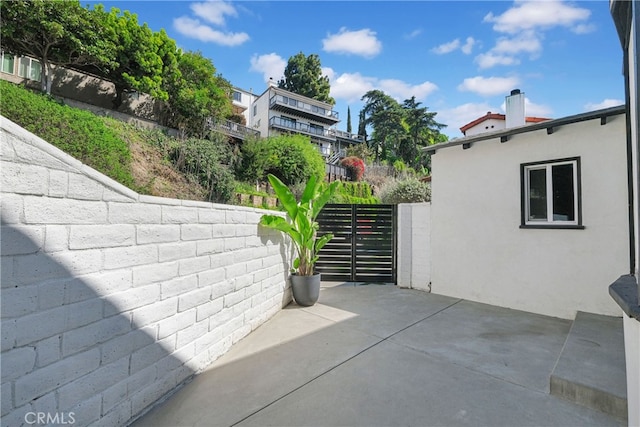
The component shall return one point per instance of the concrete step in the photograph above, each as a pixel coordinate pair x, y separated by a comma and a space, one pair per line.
591, 368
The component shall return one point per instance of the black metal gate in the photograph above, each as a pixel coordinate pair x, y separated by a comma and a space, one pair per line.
363, 248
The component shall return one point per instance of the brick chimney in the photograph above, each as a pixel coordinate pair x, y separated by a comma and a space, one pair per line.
514, 106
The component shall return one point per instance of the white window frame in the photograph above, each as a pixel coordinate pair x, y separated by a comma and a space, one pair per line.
4, 54
29, 68
550, 221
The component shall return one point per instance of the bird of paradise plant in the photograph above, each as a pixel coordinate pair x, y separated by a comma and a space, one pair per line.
301, 225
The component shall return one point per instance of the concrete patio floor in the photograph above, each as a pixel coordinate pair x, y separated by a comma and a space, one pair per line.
378, 355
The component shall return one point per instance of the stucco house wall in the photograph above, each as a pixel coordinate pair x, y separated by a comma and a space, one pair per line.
479, 251
488, 125
414, 246
626, 291
260, 120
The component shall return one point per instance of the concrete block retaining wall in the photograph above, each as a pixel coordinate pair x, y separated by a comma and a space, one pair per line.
111, 299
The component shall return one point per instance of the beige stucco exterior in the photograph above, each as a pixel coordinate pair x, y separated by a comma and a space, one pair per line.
479, 251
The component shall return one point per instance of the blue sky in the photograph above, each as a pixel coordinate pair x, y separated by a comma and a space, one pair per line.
459, 58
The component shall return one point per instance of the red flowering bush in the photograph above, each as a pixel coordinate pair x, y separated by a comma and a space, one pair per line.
355, 166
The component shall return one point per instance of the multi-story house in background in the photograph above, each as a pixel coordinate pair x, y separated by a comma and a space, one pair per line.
241, 102
276, 111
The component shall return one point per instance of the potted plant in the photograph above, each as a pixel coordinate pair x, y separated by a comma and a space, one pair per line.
301, 226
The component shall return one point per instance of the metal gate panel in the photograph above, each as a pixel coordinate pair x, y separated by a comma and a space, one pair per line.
335, 262
375, 243
364, 245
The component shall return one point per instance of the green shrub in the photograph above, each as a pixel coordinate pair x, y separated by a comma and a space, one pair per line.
361, 151
292, 158
408, 190
248, 188
80, 134
356, 189
357, 193
399, 166
352, 200
206, 161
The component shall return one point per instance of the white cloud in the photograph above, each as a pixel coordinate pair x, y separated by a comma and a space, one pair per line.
413, 34
446, 47
506, 50
490, 59
607, 103
400, 90
459, 116
533, 110
214, 11
584, 28
271, 65
468, 46
489, 86
528, 15
526, 42
536, 110
350, 87
526, 22
362, 43
455, 45
193, 28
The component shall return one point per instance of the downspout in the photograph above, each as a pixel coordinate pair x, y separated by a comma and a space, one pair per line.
632, 238
635, 10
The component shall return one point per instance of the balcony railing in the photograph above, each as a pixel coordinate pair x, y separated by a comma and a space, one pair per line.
346, 135
335, 156
300, 127
303, 107
233, 129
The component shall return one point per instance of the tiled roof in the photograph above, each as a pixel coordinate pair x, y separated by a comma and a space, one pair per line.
497, 116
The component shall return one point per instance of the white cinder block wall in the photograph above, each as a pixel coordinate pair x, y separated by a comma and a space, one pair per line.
111, 299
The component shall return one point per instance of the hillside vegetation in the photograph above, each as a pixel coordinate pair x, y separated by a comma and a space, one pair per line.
212, 169
118, 150
154, 163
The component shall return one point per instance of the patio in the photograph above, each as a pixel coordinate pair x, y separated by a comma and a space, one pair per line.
378, 355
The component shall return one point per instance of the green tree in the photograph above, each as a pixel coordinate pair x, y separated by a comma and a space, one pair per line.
399, 130
140, 55
198, 96
348, 120
360, 150
292, 158
55, 33
362, 125
385, 116
303, 75
423, 130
